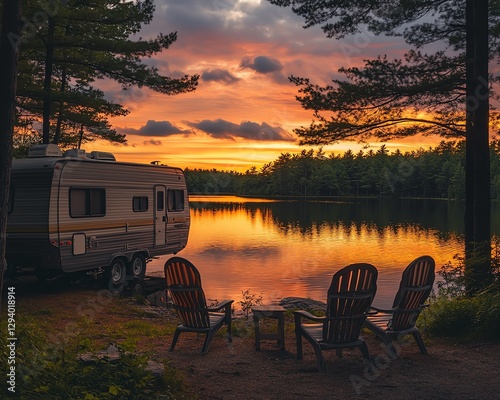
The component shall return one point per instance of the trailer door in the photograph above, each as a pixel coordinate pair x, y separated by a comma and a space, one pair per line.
160, 215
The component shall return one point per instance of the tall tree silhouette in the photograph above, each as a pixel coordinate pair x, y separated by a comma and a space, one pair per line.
444, 93
11, 29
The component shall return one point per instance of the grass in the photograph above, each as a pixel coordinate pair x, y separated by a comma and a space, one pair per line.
465, 318
54, 331
453, 313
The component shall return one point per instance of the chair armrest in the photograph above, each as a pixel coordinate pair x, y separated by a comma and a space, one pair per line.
304, 314
221, 305
382, 310
393, 310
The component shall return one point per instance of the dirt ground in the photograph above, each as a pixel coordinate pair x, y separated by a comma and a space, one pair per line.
237, 371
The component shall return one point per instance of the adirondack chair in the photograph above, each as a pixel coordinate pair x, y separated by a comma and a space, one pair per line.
183, 282
349, 298
414, 289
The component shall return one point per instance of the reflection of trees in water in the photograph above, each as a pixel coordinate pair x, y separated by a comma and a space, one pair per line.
306, 217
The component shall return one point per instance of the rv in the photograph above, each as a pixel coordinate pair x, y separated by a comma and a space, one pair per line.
86, 212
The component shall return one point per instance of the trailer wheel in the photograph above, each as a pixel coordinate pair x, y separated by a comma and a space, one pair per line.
138, 266
117, 272
138, 289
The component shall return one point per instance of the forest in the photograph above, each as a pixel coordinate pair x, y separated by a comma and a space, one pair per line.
438, 172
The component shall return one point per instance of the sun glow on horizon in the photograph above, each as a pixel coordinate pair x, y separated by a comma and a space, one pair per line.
231, 155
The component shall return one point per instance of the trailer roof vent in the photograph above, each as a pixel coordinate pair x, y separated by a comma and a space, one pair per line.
78, 153
44, 150
102, 155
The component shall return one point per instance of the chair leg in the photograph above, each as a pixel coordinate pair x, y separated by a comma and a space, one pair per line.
420, 342
208, 339
339, 353
366, 356
228, 322
320, 361
382, 335
174, 340
299, 345
389, 346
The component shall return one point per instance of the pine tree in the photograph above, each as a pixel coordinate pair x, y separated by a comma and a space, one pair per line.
11, 25
444, 93
69, 46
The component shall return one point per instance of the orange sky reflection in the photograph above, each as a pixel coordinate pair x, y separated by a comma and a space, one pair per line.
241, 249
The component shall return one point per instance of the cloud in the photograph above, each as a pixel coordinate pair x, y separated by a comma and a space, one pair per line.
152, 142
155, 128
223, 129
262, 64
219, 74
268, 66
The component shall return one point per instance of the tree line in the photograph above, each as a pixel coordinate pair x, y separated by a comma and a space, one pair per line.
433, 173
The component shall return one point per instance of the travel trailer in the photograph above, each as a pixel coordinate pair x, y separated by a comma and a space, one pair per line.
87, 212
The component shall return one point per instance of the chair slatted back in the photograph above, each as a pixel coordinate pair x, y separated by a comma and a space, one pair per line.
414, 289
183, 281
349, 297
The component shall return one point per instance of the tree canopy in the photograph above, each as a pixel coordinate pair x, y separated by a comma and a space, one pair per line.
441, 86
423, 92
68, 48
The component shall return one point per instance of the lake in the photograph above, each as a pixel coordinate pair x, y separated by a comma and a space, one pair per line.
277, 249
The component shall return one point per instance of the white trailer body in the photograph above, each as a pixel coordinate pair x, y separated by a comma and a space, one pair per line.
69, 214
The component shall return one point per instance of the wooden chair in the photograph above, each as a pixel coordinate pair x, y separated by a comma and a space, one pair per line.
183, 281
414, 289
349, 298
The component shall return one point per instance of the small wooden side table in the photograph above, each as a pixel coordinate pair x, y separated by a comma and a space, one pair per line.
275, 312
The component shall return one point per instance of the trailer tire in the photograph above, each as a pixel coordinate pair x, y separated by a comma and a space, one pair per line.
117, 272
138, 289
137, 266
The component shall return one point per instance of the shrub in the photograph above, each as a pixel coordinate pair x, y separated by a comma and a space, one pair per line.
455, 314
476, 317
54, 370
248, 301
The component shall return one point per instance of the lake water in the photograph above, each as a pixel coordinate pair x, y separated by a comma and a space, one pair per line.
277, 249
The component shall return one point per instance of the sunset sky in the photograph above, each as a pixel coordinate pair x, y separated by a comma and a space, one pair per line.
244, 110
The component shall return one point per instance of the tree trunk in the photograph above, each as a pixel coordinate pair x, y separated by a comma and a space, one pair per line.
57, 133
80, 137
469, 137
478, 246
49, 63
9, 49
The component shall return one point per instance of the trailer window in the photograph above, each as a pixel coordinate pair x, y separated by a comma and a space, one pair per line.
160, 203
175, 200
89, 202
140, 203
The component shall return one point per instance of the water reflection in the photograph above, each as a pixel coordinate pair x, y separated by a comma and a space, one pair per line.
292, 248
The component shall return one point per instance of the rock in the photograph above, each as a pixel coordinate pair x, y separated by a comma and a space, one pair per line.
112, 354
156, 368
157, 298
301, 303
